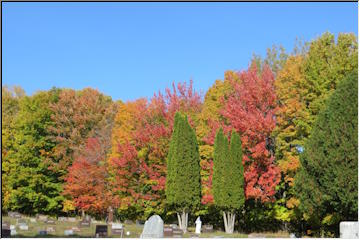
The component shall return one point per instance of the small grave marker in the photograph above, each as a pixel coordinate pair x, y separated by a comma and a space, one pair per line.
71, 219
33, 220
117, 229
101, 231
5, 230
68, 232
13, 232
62, 219
24, 227
42, 233
177, 233
208, 228
42, 217
168, 232
50, 221
50, 229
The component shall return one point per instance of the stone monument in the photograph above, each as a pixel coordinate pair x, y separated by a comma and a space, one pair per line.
349, 229
153, 228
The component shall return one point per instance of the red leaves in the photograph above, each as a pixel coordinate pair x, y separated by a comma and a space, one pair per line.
250, 110
142, 133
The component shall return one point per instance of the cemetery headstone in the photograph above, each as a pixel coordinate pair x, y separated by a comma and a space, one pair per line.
168, 231
349, 229
13, 232
117, 229
75, 229
21, 221
208, 228
128, 222
24, 227
5, 230
71, 219
12, 227
174, 226
50, 229
14, 214
198, 226
153, 228
84, 223
50, 221
69, 232
140, 223
62, 219
5, 225
177, 233
33, 220
101, 231
42, 233
42, 217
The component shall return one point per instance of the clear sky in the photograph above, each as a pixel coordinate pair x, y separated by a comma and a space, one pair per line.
131, 50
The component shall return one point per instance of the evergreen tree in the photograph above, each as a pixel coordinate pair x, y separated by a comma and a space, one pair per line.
183, 190
228, 177
327, 183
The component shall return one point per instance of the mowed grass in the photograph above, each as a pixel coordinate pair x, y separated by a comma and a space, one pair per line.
134, 230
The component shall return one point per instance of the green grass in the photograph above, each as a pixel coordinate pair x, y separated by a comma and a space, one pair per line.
134, 230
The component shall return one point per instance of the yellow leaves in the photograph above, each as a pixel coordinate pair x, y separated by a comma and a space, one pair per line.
292, 202
68, 206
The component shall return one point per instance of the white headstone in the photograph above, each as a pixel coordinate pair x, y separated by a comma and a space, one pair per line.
68, 232
116, 226
13, 232
24, 227
153, 228
349, 229
198, 226
12, 227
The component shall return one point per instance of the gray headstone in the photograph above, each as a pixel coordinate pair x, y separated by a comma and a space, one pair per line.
62, 219
349, 229
33, 220
5, 225
153, 228
42, 217
50, 229
71, 219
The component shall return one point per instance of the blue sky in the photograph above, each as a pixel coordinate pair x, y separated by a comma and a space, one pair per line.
131, 50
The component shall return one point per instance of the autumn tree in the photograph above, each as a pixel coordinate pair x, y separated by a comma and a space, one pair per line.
76, 115
34, 188
327, 182
140, 143
250, 110
183, 187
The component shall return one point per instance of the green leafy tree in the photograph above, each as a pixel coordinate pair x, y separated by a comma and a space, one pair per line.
34, 188
228, 178
327, 183
183, 189
10, 97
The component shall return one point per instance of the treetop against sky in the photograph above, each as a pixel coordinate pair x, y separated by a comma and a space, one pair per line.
131, 50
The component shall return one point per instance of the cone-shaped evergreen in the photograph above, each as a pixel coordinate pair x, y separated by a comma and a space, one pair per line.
327, 183
236, 194
228, 177
183, 187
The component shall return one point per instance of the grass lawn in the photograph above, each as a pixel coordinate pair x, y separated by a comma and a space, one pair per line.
134, 230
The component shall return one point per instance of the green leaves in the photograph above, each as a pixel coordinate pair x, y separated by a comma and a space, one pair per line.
327, 182
228, 177
183, 190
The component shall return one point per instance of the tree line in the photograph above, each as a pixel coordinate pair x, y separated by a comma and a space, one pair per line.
292, 117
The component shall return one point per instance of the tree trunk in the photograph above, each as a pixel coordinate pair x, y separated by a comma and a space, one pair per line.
229, 221
183, 220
